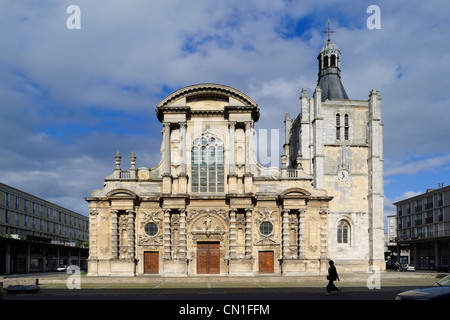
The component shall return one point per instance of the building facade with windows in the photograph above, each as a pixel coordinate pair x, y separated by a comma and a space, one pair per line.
209, 207
424, 224
37, 235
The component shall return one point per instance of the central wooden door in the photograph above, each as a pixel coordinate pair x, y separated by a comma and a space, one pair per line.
208, 257
151, 262
266, 262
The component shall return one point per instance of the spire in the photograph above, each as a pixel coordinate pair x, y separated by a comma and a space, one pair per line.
329, 78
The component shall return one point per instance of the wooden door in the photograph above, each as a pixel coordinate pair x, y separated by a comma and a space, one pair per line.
266, 262
151, 262
208, 257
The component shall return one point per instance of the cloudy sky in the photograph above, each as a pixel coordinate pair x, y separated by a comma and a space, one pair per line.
70, 98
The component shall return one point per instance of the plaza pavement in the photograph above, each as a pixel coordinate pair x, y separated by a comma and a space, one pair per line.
355, 286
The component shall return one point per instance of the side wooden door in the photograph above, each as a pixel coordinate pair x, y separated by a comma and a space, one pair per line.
151, 262
266, 264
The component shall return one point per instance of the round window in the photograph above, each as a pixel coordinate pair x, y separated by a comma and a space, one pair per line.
151, 229
266, 228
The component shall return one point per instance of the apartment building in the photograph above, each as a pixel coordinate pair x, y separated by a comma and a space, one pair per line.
423, 222
37, 235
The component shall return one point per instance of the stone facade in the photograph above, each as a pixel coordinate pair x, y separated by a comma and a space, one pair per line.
210, 208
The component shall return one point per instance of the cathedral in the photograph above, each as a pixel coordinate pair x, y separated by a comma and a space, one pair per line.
209, 207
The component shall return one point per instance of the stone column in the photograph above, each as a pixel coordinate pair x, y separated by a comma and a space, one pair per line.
232, 128
323, 234
248, 233
166, 236
114, 235
285, 233
93, 214
8, 258
233, 235
248, 137
166, 138
183, 147
301, 234
183, 242
130, 232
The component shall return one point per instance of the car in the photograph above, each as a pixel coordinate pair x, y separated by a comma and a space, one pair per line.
409, 267
61, 268
439, 291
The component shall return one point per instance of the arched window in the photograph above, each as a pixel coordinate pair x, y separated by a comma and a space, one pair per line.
333, 61
207, 173
346, 126
338, 126
343, 232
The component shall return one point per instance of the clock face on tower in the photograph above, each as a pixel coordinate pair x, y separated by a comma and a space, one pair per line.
343, 175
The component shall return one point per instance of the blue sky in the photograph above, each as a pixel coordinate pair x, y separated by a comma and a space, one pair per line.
69, 99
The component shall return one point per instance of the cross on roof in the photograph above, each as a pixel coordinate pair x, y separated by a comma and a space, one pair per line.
329, 31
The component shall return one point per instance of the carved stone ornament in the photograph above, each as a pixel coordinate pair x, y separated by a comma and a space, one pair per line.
194, 213
144, 239
208, 226
262, 239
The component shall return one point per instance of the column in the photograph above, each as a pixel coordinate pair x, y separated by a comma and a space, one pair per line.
93, 234
8, 258
27, 260
130, 232
248, 233
183, 242
324, 234
301, 234
166, 138
232, 129
166, 236
248, 137
183, 146
114, 235
285, 233
233, 235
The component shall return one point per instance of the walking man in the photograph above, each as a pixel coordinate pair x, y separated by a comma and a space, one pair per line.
332, 276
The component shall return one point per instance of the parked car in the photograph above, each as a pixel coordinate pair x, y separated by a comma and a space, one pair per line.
407, 267
61, 268
439, 291
443, 268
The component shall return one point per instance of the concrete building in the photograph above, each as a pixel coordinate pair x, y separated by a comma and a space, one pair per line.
37, 235
424, 225
209, 207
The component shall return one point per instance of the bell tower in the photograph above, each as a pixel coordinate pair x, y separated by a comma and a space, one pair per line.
329, 77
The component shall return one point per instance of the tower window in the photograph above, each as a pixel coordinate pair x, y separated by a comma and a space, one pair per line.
207, 173
338, 126
333, 61
346, 126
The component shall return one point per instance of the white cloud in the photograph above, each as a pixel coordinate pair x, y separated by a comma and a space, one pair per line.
129, 53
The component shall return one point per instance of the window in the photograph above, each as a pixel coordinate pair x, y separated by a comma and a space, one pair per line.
207, 164
7, 199
151, 229
343, 232
266, 228
338, 126
346, 126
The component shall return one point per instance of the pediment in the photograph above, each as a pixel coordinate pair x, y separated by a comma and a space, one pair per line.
207, 92
121, 193
295, 193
